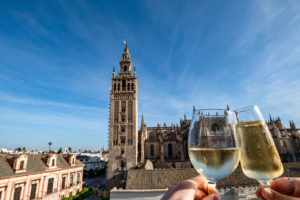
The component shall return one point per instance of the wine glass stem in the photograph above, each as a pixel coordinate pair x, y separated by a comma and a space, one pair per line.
264, 182
211, 184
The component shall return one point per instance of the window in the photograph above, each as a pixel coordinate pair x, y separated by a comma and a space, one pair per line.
125, 68
22, 165
115, 87
214, 127
132, 86
77, 191
128, 86
123, 118
17, 194
118, 86
122, 163
50, 185
151, 149
33, 191
123, 85
123, 109
73, 161
62, 196
53, 162
123, 129
78, 178
63, 184
0, 194
122, 151
170, 150
71, 180
123, 139
70, 194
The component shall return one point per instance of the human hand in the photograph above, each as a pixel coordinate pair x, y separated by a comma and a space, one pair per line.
281, 189
195, 188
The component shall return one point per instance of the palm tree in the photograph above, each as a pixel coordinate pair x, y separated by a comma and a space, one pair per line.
50, 143
24, 149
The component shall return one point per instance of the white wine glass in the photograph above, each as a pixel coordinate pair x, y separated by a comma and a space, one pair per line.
259, 157
213, 147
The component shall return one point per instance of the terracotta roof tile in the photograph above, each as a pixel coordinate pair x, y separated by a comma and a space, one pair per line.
166, 178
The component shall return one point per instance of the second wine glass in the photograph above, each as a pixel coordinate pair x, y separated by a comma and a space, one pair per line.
213, 147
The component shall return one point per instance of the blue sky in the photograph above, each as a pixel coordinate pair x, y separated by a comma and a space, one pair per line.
56, 60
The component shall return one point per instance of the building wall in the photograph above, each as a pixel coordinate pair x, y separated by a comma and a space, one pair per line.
25, 181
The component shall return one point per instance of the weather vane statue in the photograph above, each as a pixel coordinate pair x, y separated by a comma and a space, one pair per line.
125, 42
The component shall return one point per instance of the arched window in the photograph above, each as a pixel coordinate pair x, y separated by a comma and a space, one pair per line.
214, 127
170, 150
132, 86
118, 86
53, 162
128, 86
123, 85
122, 163
115, 87
125, 68
151, 149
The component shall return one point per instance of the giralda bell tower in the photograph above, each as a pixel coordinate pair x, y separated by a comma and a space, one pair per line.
123, 124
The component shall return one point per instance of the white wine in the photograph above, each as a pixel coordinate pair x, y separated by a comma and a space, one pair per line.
259, 157
216, 164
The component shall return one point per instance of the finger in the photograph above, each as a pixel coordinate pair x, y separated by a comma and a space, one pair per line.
200, 181
270, 194
211, 197
199, 194
282, 185
258, 191
211, 189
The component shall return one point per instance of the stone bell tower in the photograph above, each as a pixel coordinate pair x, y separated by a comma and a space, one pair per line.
123, 127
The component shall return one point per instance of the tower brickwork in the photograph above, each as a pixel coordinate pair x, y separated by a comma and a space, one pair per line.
123, 126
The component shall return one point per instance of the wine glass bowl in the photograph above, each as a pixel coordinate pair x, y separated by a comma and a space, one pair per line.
213, 147
259, 157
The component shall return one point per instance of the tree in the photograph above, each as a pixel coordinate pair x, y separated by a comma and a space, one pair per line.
50, 143
18, 149
24, 149
59, 150
70, 149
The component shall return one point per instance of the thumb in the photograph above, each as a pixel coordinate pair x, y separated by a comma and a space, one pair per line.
270, 194
211, 197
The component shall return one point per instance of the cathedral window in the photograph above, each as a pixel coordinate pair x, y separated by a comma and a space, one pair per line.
214, 127
115, 87
132, 86
118, 86
128, 86
122, 151
151, 149
125, 68
170, 150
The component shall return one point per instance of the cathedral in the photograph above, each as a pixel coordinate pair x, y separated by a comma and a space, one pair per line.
133, 147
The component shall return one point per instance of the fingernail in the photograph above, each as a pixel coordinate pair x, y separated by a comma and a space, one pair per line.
267, 193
